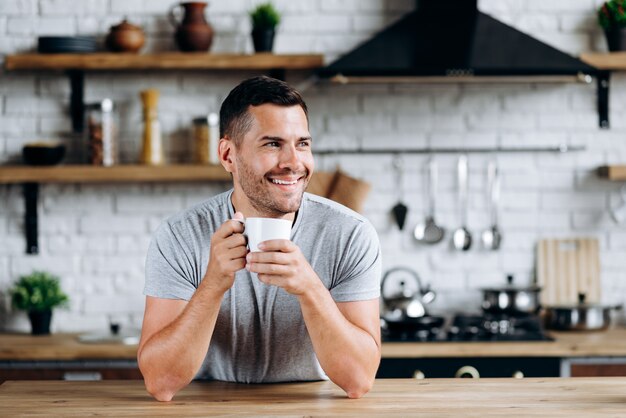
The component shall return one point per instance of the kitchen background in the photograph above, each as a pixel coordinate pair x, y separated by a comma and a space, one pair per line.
96, 236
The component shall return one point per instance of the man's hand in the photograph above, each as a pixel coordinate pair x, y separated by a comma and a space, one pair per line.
282, 264
228, 254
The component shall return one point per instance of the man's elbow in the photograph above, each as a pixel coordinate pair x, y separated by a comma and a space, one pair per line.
163, 390
358, 388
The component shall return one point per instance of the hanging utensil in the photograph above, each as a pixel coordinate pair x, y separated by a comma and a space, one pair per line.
400, 210
462, 238
492, 237
429, 232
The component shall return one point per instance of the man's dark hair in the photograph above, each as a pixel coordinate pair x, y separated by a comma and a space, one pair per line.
235, 120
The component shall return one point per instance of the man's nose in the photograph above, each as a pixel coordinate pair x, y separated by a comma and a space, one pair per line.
289, 157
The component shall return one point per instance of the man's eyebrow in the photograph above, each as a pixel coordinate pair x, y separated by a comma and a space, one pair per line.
278, 138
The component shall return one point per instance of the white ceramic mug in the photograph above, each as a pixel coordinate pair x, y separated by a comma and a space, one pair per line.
263, 229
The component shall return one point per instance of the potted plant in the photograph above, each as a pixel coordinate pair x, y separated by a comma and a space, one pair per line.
264, 18
612, 18
37, 293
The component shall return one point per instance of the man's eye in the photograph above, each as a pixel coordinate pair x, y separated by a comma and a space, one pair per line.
272, 144
305, 144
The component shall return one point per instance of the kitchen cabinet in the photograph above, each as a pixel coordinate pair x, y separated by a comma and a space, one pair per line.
593, 367
69, 370
469, 367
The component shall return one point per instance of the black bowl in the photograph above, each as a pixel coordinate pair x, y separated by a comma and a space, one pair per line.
42, 153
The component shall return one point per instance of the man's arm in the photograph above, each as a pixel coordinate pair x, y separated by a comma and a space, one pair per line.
345, 336
176, 334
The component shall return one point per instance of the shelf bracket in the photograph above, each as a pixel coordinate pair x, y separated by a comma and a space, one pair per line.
77, 104
604, 82
31, 194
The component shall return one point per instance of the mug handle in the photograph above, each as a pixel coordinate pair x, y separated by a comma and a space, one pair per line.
174, 15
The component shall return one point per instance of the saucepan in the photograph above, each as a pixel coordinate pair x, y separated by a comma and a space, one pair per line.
580, 317
511, 299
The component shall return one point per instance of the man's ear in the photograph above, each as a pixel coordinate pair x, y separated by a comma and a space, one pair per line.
225, 151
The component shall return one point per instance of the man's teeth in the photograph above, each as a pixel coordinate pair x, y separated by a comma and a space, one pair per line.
276, 181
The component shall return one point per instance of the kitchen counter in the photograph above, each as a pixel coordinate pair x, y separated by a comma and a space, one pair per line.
574, 397
27, 347
567, 344
607, 343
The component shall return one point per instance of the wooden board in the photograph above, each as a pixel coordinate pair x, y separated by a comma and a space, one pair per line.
115, 174
612, 172
567, 267
606, 61
163, 61
485, 398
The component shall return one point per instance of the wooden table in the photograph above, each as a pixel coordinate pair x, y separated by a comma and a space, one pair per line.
571, 398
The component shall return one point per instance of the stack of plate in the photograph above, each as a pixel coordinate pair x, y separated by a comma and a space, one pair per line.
60, 44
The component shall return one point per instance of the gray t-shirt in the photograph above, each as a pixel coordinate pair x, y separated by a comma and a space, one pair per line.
260, 334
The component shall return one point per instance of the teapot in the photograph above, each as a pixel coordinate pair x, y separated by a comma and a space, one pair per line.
410, 299
125, 37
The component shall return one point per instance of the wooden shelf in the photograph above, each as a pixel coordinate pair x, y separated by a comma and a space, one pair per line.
611, 61
163, 61
115, 174
612, 172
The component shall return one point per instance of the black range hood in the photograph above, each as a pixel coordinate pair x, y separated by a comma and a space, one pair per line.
452, 39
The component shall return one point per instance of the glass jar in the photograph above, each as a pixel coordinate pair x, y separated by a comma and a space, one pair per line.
206, 137
102, 135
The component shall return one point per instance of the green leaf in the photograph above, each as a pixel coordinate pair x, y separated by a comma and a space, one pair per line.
37, 291
264, 16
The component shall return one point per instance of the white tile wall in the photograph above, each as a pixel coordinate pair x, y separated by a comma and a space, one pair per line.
96, 237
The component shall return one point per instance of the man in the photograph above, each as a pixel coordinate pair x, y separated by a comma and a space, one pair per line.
302, 309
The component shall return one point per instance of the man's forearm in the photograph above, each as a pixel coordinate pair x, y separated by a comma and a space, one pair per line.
170, 358
348, 354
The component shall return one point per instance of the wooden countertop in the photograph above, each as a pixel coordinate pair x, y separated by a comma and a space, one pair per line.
611, 342
28, 347
567, 344
555, 397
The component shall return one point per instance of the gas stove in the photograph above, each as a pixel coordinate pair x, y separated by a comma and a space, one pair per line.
474, 327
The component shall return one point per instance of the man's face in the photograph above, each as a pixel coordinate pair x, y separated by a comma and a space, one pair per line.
273, 163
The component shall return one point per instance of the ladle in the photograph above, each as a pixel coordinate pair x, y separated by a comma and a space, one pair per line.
429, 232
492, 237
462, 238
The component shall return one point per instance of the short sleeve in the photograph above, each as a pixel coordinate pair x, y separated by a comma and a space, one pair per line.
360, 269
169, 266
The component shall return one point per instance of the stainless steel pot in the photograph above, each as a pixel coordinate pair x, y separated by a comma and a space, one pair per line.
580, 317
510, 299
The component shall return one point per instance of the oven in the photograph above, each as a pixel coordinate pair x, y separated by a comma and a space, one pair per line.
469, 367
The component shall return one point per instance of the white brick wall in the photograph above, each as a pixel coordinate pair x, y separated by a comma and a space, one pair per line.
96, 237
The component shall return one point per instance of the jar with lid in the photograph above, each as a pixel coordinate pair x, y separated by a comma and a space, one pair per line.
102, 135
205, 137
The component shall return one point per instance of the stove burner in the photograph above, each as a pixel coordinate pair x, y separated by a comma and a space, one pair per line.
486, 327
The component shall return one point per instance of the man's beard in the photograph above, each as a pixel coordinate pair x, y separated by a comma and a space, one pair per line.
256, 190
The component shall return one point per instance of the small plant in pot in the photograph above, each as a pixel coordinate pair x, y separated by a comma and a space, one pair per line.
612, 18
265, 18
37, 293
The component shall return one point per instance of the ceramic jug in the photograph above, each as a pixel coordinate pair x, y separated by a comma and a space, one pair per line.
193, 32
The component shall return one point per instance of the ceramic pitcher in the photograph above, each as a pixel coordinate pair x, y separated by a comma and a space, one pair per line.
193, 32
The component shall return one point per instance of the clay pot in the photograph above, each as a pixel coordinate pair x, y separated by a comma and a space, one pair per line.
125, 37
193, 34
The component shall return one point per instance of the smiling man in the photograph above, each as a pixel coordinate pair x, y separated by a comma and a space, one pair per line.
302, 309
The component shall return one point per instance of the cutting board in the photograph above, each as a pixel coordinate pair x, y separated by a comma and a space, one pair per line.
567, 267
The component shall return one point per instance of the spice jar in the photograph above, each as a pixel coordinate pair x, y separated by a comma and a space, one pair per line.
152, 145
102, 138
205, 138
